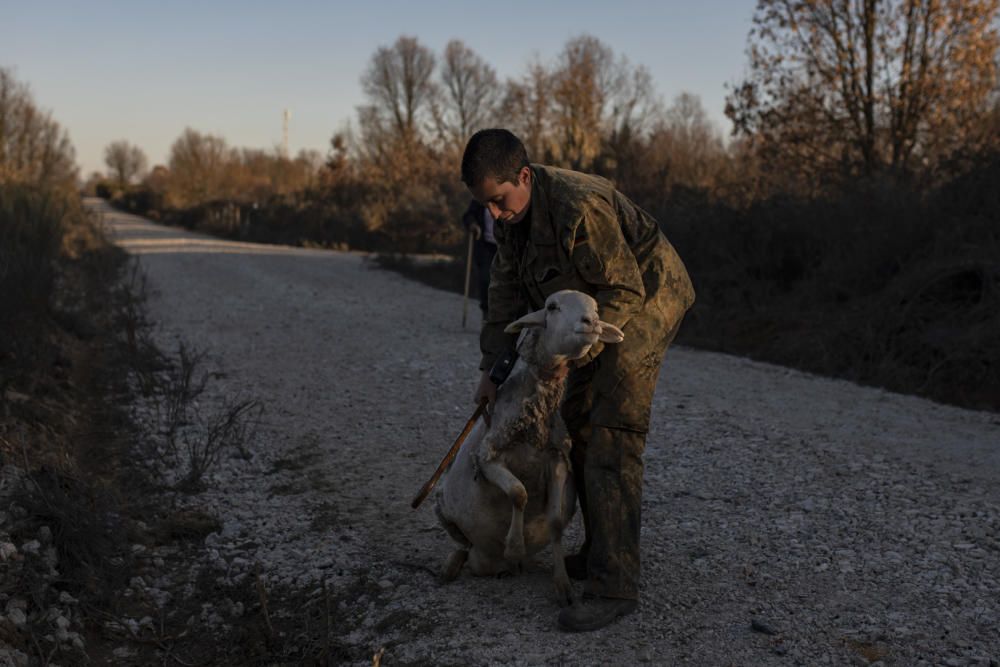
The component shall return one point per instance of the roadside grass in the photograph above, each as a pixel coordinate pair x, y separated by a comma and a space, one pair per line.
62, 525
84, 502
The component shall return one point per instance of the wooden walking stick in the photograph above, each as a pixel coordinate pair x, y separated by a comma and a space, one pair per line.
449, 457
468, 274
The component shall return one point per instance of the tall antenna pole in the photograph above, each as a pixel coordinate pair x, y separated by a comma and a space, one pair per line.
284, 133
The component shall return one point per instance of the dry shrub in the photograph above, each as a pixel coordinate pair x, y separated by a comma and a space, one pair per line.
880, 284
87, 529
229, 429
55, 413
32, 221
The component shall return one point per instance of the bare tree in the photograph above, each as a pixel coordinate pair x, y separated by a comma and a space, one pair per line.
158, 180
527, 111
200, 168
579, 94
681, 149
692, 147
33, 147
470, 94
399, 85
125, 162
600, 102
633, 104
856, 86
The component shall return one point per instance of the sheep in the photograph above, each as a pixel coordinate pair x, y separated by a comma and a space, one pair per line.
509, 491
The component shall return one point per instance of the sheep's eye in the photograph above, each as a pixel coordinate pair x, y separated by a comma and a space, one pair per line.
552, 307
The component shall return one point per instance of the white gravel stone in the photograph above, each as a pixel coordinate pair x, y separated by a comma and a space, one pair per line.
17, 617
10, 657
230, 530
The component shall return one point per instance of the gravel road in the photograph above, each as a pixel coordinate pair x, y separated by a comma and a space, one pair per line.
788, 519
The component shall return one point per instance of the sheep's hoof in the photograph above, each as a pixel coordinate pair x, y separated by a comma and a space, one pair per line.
454, 566
514, 552
513, 569
564, 593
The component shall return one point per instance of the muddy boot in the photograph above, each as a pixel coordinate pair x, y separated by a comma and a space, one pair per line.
576, 566
594, 613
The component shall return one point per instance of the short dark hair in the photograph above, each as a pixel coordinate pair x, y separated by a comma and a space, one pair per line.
493, 153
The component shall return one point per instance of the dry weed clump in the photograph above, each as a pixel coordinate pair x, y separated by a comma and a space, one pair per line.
82, 505
177, 436
182, 437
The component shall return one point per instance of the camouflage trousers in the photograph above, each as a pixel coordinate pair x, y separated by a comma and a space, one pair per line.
606, 409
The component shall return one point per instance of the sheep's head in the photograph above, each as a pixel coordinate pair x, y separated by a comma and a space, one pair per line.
569, 326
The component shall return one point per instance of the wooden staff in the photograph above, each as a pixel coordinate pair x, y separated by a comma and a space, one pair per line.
449, 457
468, 274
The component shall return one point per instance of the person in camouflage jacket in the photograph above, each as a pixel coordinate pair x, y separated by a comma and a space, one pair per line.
559, 229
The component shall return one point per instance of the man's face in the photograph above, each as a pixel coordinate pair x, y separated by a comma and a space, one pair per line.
507, 202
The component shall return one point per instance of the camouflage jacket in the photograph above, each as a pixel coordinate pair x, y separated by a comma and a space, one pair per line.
582, 234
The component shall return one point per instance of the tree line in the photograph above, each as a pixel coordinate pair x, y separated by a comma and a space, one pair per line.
836, 92
846, 225
391, 177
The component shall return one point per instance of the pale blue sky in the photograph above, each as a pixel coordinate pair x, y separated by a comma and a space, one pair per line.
144, 71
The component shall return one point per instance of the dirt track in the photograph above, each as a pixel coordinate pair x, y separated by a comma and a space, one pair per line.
856, 524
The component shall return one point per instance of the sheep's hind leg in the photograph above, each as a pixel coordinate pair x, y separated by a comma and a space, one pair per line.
498, 474
558, 478
453, 566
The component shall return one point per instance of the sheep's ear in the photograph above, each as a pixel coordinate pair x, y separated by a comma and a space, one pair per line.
610, 333
535, 319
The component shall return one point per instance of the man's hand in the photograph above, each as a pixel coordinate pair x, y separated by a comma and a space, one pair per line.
486, 390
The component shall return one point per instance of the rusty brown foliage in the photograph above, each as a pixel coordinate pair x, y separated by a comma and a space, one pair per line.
839, 89
34, 148
468, 96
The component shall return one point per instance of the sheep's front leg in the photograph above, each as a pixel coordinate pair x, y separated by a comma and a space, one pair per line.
558, 478
498, 474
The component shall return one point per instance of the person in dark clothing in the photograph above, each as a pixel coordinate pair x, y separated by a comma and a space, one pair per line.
478, 222
558, 229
